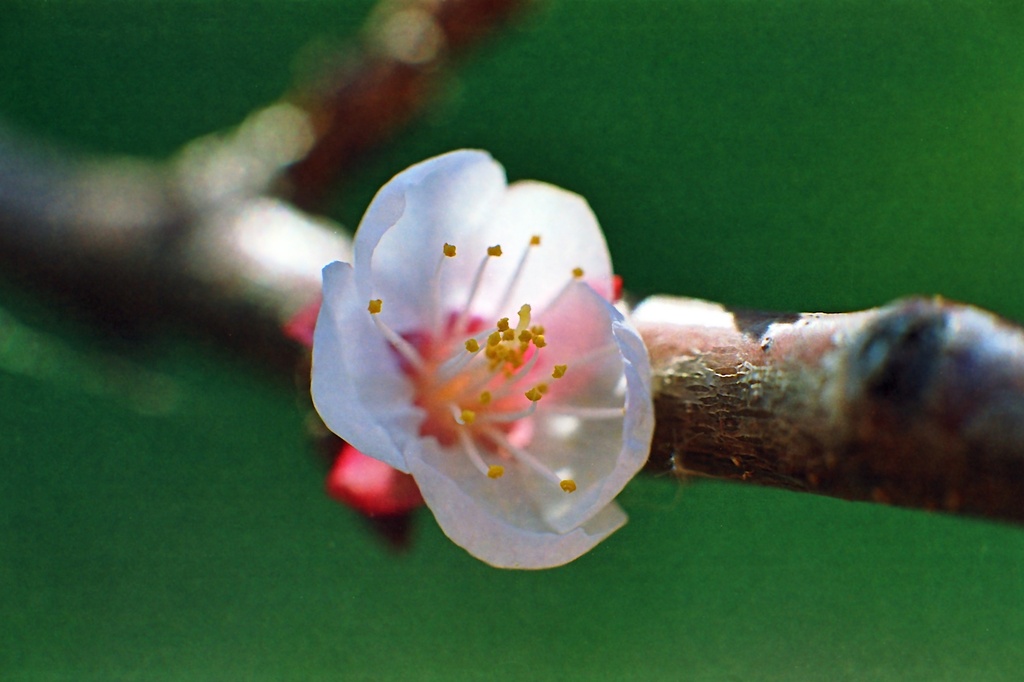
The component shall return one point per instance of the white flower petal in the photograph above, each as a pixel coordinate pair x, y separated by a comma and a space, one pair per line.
570, 237
356, 385
468, 519
399, 241
592, 426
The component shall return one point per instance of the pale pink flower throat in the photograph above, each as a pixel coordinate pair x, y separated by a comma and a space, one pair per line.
479, 383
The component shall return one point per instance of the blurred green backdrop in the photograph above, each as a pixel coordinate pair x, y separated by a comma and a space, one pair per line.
803, 155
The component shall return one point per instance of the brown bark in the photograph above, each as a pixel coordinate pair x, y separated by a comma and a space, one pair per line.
919, 403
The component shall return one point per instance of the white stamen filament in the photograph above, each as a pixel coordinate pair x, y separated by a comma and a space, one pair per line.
561, 292
435, 296
472, 452
522, 455
586, 412
460, 323
457, 414
404, 348
505, 417
485, 378
510, 289
462, 357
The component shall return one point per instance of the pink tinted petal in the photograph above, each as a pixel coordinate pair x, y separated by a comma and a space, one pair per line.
600, 455
356, 385
578, 333
300, 326
491, 538
400, 239
371, 486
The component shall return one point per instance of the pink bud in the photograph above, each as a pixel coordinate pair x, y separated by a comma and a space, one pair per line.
371, 486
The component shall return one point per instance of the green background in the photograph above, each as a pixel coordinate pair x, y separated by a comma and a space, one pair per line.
162, 514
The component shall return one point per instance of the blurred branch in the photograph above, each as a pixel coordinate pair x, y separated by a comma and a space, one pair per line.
378, 89
124, 240
920, 403
202, 239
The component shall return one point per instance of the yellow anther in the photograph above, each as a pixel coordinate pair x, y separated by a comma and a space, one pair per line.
559, 371
501, 354
577, 272
535, 240
494, 250
495, 471
543, 388
539, 341
468, 417
502, 324
485, 397
494, 339
524, 317
534, 394
375, 306
449, 250
537, 329
525, 336
508, 334
568, 485
472, 345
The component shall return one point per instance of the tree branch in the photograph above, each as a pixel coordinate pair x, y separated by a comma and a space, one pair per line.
919, 403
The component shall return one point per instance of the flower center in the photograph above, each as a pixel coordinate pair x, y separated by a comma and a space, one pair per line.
476, 382
480, 384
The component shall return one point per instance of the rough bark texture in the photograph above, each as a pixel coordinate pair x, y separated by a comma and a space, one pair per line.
919, 403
